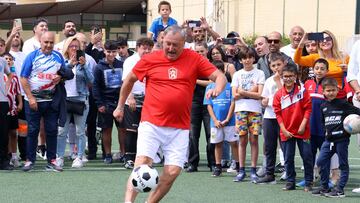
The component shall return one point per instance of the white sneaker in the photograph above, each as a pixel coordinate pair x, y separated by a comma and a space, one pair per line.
232, 168
15, 162
356, 190
60, 161
77, 163
117, 156
283, 176
84, 159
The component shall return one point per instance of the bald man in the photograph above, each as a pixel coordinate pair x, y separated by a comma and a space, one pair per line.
296, 33
42, 70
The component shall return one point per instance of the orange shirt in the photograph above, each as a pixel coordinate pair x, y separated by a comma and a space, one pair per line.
170, 86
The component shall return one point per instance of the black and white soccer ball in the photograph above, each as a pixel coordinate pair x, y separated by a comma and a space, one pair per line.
144, 178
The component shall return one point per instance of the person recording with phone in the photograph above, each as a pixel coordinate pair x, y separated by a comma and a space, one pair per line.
328, 49
95, 47
77, 90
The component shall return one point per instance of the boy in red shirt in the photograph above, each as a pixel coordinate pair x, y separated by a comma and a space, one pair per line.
292, 106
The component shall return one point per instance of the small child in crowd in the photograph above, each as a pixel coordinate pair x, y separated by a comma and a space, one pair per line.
247, 85
292, 106
221, 109
333, 113
270, 125
164, 9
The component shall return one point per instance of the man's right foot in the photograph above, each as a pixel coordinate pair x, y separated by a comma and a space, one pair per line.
108, 159
267, 179
289, 186
53, 166
240, 176
191, 169
28, 166
320, 191
217, 172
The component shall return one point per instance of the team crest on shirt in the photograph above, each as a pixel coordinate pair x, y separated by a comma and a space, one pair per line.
172, 73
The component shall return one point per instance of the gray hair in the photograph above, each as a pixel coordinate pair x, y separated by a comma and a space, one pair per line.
175, 29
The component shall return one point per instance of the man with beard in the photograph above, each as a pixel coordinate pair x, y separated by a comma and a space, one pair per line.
296, 33
197, 35
68, 31
13, 46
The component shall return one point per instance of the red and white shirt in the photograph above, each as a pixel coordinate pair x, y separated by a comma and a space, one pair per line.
13, 91
170, 86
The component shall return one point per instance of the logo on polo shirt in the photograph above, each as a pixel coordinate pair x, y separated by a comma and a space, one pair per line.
172, 73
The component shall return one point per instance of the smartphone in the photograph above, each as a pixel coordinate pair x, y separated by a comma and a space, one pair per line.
317, 36
231, 41
79, 53
194, 23
17, 22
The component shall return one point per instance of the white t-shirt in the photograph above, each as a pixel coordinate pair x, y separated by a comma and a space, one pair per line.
19, 58
30, 45
129, 63
288, 50
270, 88
247, 80
59, 46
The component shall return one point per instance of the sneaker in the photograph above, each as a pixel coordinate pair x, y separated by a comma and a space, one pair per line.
60, 161
279, 168
5, 166
77, 163
72, 156
331, 184
283, 176
41, 151
232, 168
261, 172
15, 162
217, 172
28, 166
240, 176
129, 164
118, 157
108, 159
52, 166
225, 163
84, 159
191, 169
267, 179
356, 190
308, 188
336, 192
253, 177
289, 186
320, 191
301, 184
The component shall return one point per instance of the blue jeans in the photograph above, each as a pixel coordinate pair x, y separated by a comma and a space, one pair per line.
51, 117
80, 124
323, 161
306, 155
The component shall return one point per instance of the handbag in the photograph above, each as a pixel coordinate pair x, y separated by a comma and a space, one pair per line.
75, 107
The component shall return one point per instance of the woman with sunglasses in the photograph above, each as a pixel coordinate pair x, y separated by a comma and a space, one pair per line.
329, 50
77, 91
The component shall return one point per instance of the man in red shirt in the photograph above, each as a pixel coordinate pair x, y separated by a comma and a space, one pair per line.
170, 76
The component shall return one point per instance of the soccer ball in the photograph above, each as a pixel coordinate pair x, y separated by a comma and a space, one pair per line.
352, 124
144, 178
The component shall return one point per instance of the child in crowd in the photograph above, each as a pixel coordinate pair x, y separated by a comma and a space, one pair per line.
15, 105
247, 85
270, 125
320, 68
292, 106
333, 112
222, 121
106, 88
164, 9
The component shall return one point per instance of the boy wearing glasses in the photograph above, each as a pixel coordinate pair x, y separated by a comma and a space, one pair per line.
107, 84
292, 106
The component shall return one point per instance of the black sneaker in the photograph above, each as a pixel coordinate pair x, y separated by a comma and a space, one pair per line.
289, 186
308, 188
6, 166
279, 168
336, 192
129, 164
28, 166
320, 191
108, 159
267, 179
191, 169
217, 172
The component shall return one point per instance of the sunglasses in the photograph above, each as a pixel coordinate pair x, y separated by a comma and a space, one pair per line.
327, 39
275, 41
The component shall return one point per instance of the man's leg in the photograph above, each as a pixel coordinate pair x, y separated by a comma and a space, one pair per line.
91, 128
51, 129
210, 148
194, 156
33, 119
271, 134
4, 107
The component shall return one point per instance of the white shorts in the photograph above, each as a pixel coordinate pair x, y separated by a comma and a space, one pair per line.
226, 133
174, 143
